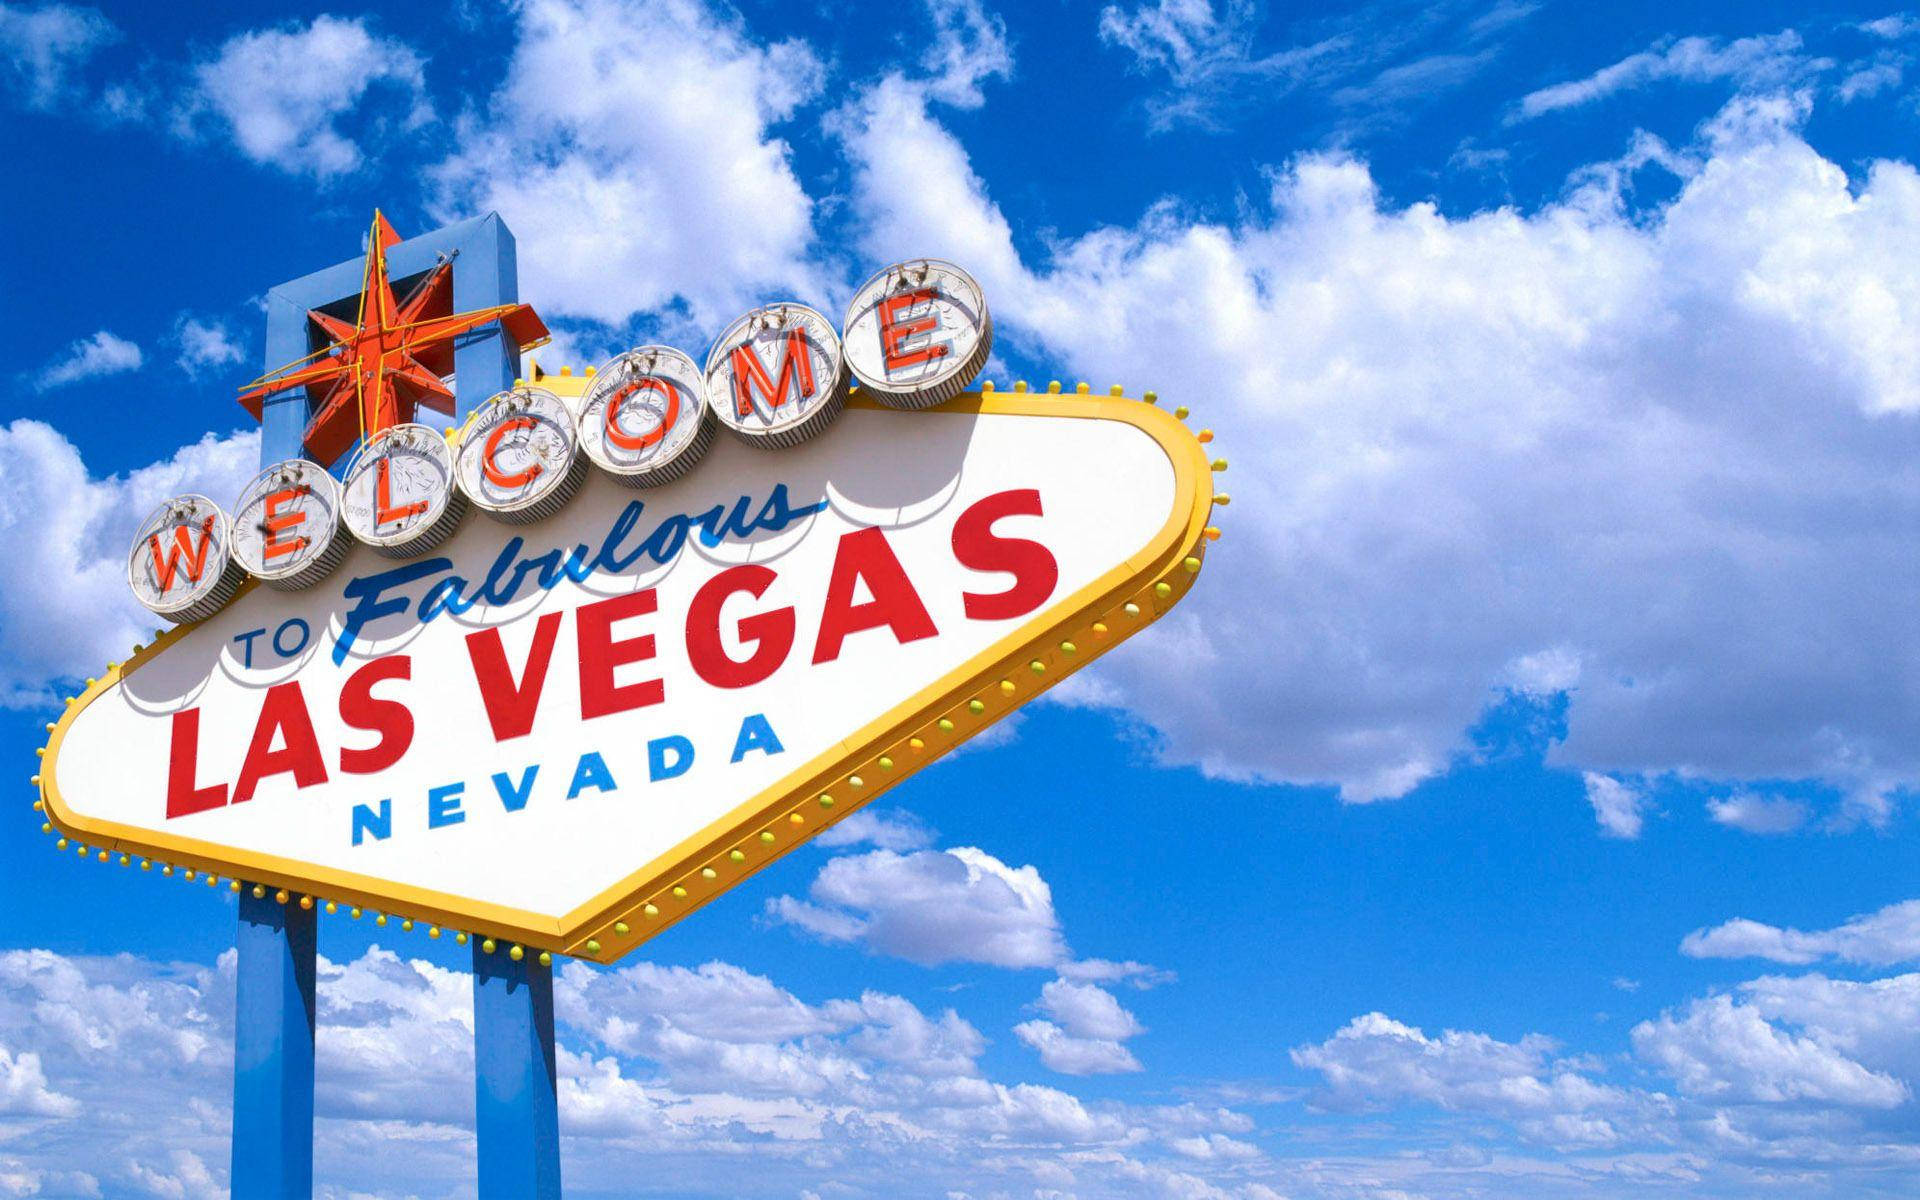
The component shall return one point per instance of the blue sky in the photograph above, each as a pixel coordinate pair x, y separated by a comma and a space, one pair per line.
1519, 806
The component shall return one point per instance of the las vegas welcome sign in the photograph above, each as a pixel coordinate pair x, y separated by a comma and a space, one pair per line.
567, 672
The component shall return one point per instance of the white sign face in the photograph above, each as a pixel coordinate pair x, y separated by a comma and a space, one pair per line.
644, 420
777, 376
400, 495
551, 732
286, 528
181, 564
917, 333
519, 459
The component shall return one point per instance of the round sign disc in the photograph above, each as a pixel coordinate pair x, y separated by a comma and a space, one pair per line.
917, 333
519, 459
644, 419
286, 528
181, 564
399, 492
777, 376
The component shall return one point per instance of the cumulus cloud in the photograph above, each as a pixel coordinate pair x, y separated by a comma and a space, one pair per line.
932, 907
104, 353
1619, 806
124, 1066
888, 829
287, 96
631, 147
1753, 813
43, 47
1375, 1062
1891, 935
1720, 1048
1084, 1032
205, 346
1768, 61
1609, 441
65, 608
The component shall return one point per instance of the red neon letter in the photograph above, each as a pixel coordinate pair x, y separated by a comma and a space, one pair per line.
770, 633
383, 509
510, 705
361, 709
865, 554
277, 521
895, 332
627, 441
1032, 565
284, 715
165, 565
182, 759
795, 367
600, 654
495, 475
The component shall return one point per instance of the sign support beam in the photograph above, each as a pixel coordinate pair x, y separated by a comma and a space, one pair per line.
516, 1106
273, 1051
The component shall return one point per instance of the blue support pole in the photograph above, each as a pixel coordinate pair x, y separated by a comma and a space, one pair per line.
283, 418
516, 1108
485, 360
273, 1051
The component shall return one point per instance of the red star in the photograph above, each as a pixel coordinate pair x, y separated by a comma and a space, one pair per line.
391, 360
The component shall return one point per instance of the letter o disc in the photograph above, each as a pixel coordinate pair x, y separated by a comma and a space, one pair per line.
410, 505
520, 460
917, 333
644, 420
286, 528
777, 376
181, 565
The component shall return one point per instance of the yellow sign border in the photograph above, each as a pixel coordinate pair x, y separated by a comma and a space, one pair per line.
1054, 643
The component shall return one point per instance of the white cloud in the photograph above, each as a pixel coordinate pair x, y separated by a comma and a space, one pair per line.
1375, 1062
1100, 970
630, 148
1206, 55
1894, 27
64, 607
1720, 1048
1088, 1011
1754, 813
1085, 1032
205, 346
24, 1091
93, 357
969, 47
1069, 1055
931, 907
286, 95
1619, 806
1767, 61
1629, 437
891, 829
1891, 935
41, 49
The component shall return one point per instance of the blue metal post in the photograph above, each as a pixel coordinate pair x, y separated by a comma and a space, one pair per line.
273, 1051
516, 1109
485, 361
283, 418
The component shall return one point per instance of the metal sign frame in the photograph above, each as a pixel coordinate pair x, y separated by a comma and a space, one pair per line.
1045, 648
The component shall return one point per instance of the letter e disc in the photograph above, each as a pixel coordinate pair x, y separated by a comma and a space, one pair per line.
400, 497
644, 420
777, 376
181, 565
286, 528
917, 333
519, 459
